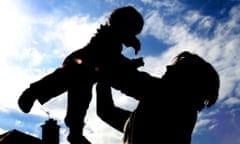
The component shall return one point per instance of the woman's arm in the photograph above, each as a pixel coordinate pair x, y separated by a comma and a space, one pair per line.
107, 111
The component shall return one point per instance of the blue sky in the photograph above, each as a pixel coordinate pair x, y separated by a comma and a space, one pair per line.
36, 35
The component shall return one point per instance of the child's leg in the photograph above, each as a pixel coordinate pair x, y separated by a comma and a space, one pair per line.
79, 97
43, 90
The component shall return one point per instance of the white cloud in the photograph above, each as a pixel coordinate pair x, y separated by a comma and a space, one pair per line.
238, 90
18, 123
204, 123
159, 29
123, 101
99, 132
192, 16
167, 7
147, 1
2, 131
232, 101
74, 32
221, 50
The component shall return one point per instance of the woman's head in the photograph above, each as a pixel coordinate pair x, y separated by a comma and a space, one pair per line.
196, 78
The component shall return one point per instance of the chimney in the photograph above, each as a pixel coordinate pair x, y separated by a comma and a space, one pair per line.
50, 132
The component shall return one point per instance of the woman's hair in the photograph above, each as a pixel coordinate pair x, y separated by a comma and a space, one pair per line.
201, 76
128, 18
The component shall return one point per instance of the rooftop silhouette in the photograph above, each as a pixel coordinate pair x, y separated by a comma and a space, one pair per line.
50, 135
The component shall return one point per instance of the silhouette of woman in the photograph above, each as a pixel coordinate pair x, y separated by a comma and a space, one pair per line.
168, 106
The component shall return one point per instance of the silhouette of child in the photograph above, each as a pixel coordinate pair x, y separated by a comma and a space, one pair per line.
169, 104
100, 58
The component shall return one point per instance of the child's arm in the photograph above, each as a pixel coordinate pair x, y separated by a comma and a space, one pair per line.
134, 43
107, 111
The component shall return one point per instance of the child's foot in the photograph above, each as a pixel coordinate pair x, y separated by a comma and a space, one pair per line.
26, 101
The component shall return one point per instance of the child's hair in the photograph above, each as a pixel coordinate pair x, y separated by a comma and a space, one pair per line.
127, 17
200, 75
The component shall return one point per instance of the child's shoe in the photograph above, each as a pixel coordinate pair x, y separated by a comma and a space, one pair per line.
26, 100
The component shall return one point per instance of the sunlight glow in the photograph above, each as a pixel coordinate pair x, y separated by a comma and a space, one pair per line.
11, 23
78, 61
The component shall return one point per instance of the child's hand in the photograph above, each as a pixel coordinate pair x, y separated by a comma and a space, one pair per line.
132, 42
137, 46
138, 62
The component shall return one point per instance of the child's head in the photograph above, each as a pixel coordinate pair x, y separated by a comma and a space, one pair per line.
127, 22
195, 78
